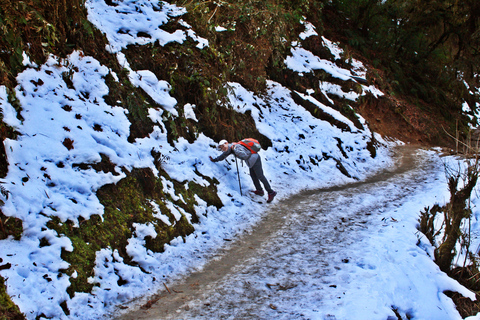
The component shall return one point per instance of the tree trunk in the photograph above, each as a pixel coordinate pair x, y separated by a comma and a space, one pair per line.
455, 212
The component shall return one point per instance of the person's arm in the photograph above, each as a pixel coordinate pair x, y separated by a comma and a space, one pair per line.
222, 156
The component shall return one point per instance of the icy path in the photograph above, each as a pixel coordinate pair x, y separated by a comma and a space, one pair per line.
310, 257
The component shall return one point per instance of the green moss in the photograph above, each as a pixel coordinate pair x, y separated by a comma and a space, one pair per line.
8, 310
135, 100
126, 203
10, 226
39, 28
207, 195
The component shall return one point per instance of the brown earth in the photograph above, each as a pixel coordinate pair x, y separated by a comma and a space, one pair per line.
398, 120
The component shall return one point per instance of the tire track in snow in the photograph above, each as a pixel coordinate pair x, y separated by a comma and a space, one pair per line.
294, 254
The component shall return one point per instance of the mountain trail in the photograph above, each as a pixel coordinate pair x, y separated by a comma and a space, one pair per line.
299, 241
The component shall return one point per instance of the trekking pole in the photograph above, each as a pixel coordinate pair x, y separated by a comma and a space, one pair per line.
238, 174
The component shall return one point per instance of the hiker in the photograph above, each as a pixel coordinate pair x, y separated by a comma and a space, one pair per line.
252, 158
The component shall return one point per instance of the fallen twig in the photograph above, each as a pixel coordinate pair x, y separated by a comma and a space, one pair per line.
167, 288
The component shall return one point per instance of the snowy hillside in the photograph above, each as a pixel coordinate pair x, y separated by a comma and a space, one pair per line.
66, 128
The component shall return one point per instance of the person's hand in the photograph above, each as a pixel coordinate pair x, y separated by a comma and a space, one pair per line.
211, 159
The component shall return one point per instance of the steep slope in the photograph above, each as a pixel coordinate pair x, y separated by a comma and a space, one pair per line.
106, 141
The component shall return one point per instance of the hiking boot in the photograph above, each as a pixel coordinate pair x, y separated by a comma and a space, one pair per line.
259, 192
271, 195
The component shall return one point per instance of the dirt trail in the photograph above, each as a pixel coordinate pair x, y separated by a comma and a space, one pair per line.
319, 218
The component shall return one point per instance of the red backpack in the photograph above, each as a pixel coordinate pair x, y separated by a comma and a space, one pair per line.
251, 144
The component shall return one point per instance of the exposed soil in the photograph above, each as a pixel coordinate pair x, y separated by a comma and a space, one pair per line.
314, 215
397, 119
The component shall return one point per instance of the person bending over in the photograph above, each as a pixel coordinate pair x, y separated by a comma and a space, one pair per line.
253, 162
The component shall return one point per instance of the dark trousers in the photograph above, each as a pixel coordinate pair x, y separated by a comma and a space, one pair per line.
256, 172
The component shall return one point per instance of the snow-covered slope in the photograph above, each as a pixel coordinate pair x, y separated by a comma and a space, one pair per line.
67, 123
